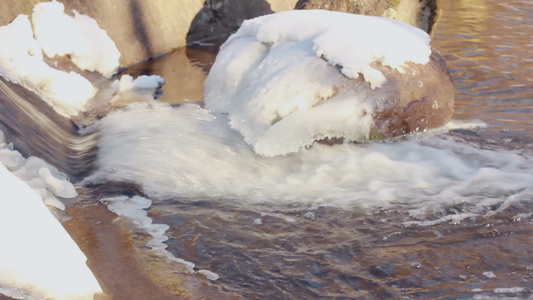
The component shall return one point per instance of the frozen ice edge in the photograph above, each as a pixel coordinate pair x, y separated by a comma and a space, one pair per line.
134, 209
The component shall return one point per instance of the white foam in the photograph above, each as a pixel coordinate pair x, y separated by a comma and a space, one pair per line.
188, 152
78, 36
59, 187
273, 73
39, 258
489, 274
511, 290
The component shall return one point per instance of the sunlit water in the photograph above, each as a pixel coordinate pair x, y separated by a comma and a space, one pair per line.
488, 47
440, 215
434, 216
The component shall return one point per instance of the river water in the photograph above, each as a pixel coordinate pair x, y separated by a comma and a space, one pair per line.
442, 215
453, 221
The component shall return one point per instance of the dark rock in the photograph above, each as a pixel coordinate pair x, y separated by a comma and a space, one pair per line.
220, 18
381, 271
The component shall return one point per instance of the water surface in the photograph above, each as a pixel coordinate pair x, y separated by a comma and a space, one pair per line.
439, 216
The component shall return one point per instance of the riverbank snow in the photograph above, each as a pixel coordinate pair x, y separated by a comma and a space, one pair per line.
271, 76
38, 257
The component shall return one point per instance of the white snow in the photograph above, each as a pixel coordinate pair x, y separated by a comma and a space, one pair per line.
140, 89
271, 76
78, 36
489, 274
57, 33
37, 257
511, 290
149, 82
21, 62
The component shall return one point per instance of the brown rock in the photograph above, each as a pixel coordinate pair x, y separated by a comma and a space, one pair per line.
423, 14
369, 7
421, 98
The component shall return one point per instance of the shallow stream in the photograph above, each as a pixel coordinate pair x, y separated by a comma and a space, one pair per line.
440, 215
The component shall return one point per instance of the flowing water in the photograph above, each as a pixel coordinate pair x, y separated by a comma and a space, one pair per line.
441, 215
446, 216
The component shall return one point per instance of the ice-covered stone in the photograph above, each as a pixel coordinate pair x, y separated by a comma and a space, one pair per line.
286, 80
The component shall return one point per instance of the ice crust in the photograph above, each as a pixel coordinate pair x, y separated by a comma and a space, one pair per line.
271, 76
38, 258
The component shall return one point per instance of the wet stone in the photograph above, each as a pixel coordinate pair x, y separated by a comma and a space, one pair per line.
381, 271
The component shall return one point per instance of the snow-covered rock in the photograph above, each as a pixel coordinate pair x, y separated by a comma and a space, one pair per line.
289, 79
21, 62
78, 36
